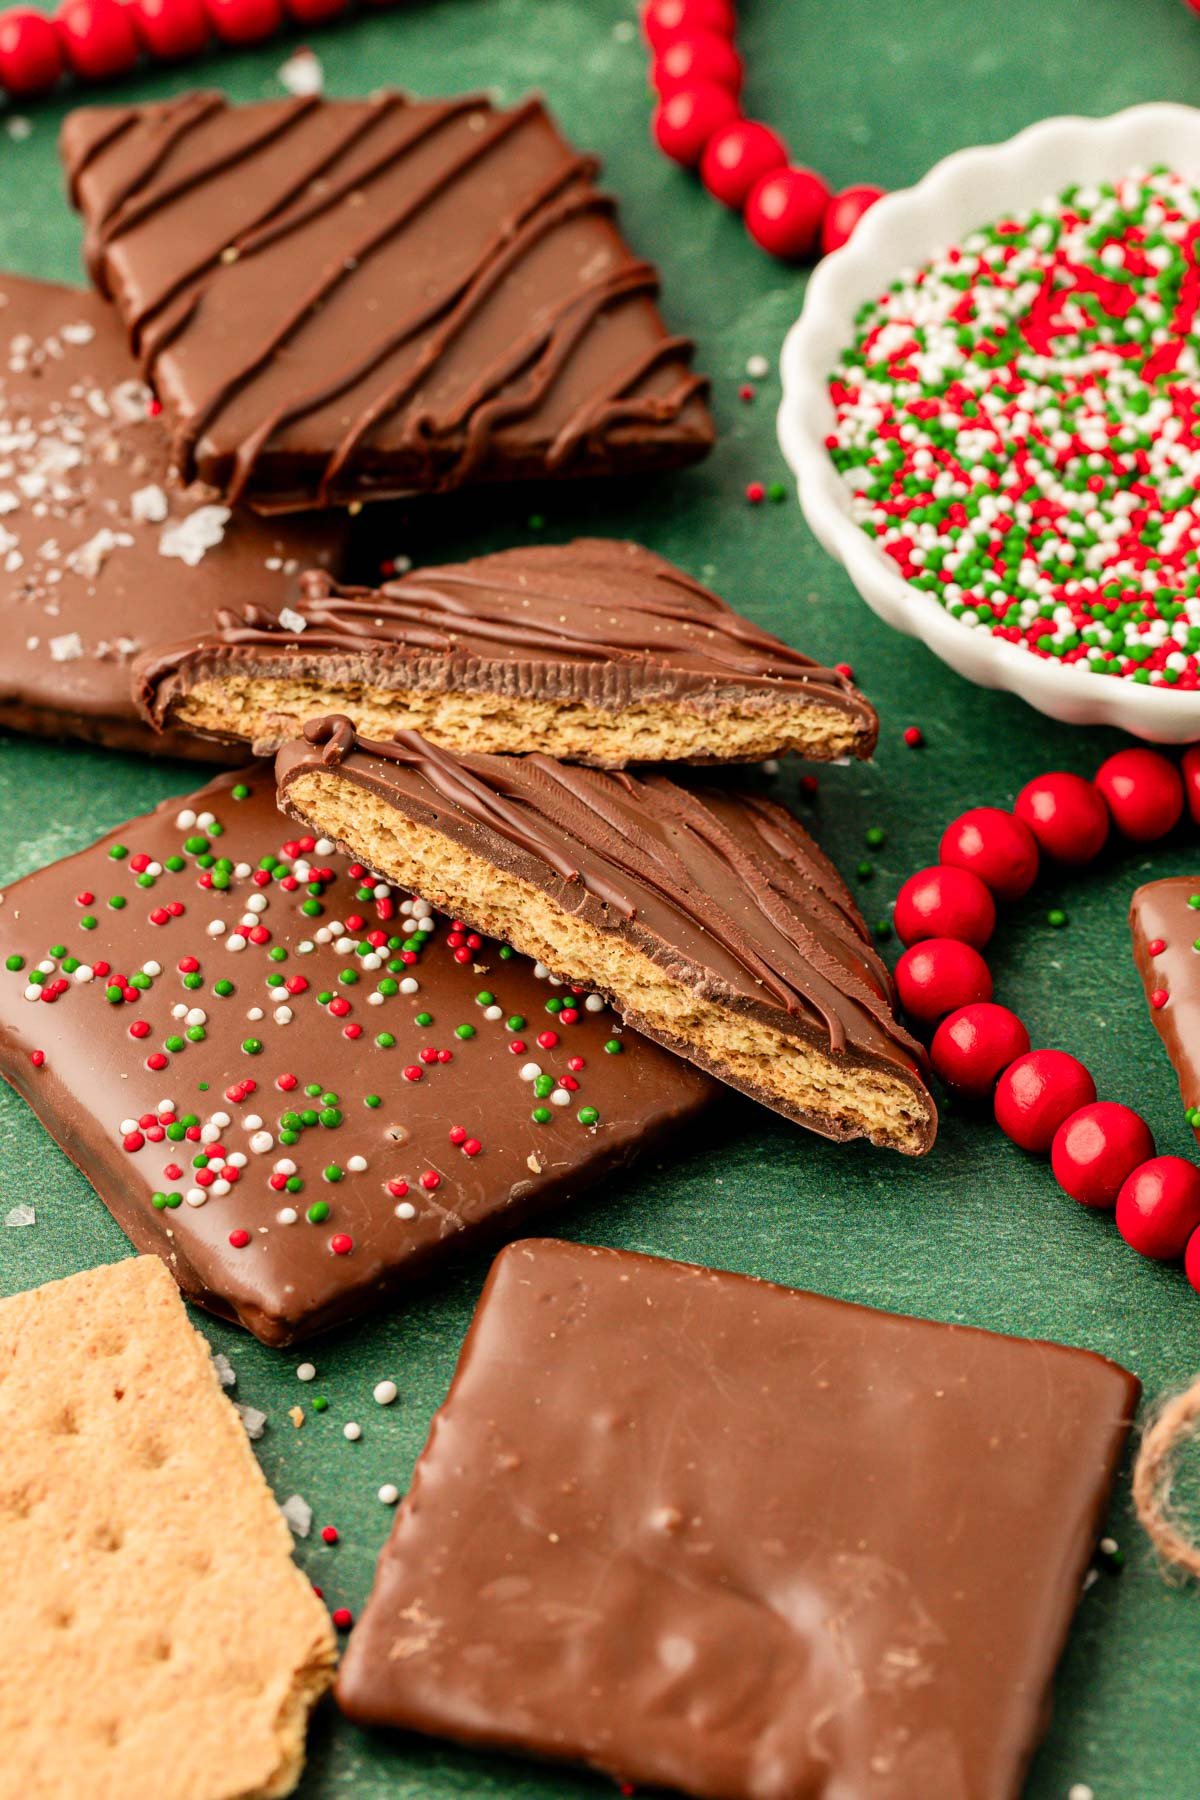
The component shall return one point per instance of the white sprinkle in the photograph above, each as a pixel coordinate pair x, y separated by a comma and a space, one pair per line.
220, 1188
1080, 1790
254, 1014
324, 847
530, 1071
85, 972
561, 1097
594, 1003
256, 903
406, 1210
493, 1012
152, 969
283, 1015
185, 819
298, 1514
757, 367
351, 1432
286, 1215
235, 940
306, 1372
356, 1164
251, 1122
196, 1197
302, 74
409, 985
385, 1392
216, 928
261, 1142
126, 1126
389, 1493
237, 1159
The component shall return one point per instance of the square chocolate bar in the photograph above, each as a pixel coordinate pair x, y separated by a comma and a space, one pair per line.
299, 1089
708, 1534
339, 300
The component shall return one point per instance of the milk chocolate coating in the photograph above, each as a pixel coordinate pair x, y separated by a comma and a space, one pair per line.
289, 1280
85, 507
346, 299
705, 1533
1161, 913
725, 892
598, 621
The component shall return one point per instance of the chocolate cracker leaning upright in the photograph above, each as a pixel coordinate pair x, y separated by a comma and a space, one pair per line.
100, 556
711, 1535
710, 919
1164, 917
339, 300
597, 652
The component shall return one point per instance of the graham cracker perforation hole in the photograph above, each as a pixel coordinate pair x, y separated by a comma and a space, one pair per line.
107, 1537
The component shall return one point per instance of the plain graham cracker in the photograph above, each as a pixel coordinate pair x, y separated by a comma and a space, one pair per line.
156, 1638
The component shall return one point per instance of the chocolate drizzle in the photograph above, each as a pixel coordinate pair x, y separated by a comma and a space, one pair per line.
732, 895
595, 620
316, 224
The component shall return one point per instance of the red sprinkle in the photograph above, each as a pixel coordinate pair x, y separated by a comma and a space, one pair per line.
341, 1244
37, 1058
1159, 997
239, 1238
1156, 946
430, 1180
756, 493
914, 737
329, 1534
342, 1617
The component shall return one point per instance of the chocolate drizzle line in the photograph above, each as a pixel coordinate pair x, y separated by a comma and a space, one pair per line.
537, 805
513, 379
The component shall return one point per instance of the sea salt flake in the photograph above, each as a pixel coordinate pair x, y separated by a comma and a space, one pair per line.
254, 1420
298, 1514
223, 1369
20, 1215
291, 620
67, 648
149, 505
190, 539
90, 558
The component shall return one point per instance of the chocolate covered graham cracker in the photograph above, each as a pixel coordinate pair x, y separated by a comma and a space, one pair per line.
710, 919
704, 1533
303, 1092
597, 652
100, 555
340, 300
157, 1642
1164, 917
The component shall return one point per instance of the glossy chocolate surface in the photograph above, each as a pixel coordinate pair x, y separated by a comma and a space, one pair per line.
453, 1131
1164, 917
726, 891
597, 621
344, 299
100, 556
708, 1534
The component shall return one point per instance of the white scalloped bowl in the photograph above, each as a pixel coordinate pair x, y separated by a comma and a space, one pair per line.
905, 229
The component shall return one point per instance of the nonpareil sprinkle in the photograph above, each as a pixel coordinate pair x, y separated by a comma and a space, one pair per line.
1018, 423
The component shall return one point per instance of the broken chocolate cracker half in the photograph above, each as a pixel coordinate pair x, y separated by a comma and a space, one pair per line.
710, 919
346, 300
597, 652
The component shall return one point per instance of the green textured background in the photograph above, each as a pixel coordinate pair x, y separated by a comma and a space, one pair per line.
866, 90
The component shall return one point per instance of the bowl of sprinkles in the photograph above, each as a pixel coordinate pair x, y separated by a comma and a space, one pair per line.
995, 426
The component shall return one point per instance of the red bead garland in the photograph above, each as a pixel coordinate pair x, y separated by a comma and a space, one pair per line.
697, 73
1102, 1153
31, 57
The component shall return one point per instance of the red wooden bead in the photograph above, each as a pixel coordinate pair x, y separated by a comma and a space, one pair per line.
98, 37
737, 156
314, 12
843, 213
1037, 1092
945, 902
1096, 1148
1191, 1261
31, 58
1191, 782
1158, 1207
972, 1048
686, 119
938, 975
1144, 793
688, 61
994, 845
663, 20
784, 211
173, 28
1066, 815
244, 21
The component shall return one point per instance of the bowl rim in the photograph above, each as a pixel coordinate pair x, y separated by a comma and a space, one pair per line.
838, 287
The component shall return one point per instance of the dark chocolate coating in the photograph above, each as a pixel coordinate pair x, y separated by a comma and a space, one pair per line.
1161, 912
346, 299
709, 1534
596, 621
726, 892
84, 583
289, 1282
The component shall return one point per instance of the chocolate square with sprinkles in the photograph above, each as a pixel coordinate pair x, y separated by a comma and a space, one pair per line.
1164, 917
297, 1087
704, 1533
339, 300
101, 556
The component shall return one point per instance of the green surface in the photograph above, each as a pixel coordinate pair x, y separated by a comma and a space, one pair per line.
867, 91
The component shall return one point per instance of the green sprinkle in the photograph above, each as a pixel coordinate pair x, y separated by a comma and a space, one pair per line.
252, 1045
14, 962
424, 1018
1056, 917
385, 1040
318, 1212
614, 1047
118, 852
320, 1404
240, 791
464, 1031
541, 1115
372, 1100
223, 987
331, 1172
588, 1115
516, 1023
